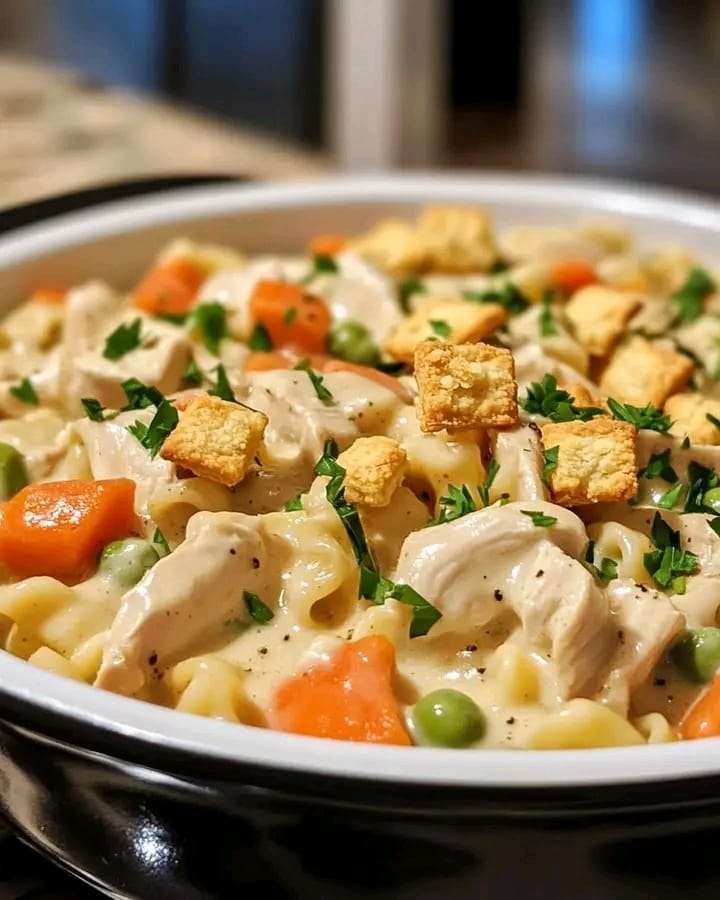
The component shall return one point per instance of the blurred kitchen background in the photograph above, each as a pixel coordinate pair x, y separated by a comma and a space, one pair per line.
99, 90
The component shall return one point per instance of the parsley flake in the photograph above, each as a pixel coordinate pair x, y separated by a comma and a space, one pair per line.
668, 564
406, 289
152, 436
546, 320
457, 503
658, 466
550, 462
508, 296
484, 489
192, 376
259, 341
440, 327
161, 543
93, 409
539, 519
139, 395
671, 498
293, 505
689, 299
257, 609
208, 321
713, 420
125, 338
25, 392
290, 315
322, 392
649, 417
543, 398
222, 388
321, 265
606, 571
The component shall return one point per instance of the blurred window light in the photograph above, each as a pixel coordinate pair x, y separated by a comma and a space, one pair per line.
609, 37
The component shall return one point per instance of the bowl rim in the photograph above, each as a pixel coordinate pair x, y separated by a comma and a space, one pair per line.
50, 700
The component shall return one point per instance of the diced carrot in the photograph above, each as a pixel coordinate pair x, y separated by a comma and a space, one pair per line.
381, 378
290, 316
351, 698
170, 288
327, 244
58, 528
703, 717
48, 293
572, 274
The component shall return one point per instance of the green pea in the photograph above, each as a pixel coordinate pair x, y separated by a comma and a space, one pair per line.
711, 499
697, 653
13, 472
447, 718
127, 561
352, 341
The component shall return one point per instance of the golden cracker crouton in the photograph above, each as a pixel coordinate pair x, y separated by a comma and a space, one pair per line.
641, 372
455, 321
457, 238
216, 439
394, 246
374, 468
465, 386
689, 413
598, 316
595, 463
580, 394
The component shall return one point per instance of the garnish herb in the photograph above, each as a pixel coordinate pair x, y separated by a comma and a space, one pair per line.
672, 497
290, 315
658, 466
440, 327
25, 392
715, 525
93, 409
713, 420
689, 299
293, 505
372, 585
649, 417
317, 382
393, 368
172, 318
457, 503
508, 296
685, 443
257, 609
139, 395
484, 489
222, 388
701, 479
192, 375
543, 398
668, 563
259, 340
321, 265
550, 460
124, 339
406, 289
606, 571
546, 321
153, 436
539, 519
160, 542
208, 321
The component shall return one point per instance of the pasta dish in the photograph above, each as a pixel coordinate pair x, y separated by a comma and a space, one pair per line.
436, 484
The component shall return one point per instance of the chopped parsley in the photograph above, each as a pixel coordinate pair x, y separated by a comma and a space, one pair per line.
544, 399
484, 489
322, 392
25, 392
160, 542
222, 388
293, 505
649, 417
550, 462
373, 586
658, 466
668, 563
671, 498
259, 340
172, 318
94, 409
701, 479
713, 420
208, 321
406, 289
508, 296
152, 436
546, 320
457, 503
689, 299
685, 443
714, 523
539, 519
193, 376
257, 609
393, 368
606, 571
440, 327
139, 395
321, 265
125, 338
290, 315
